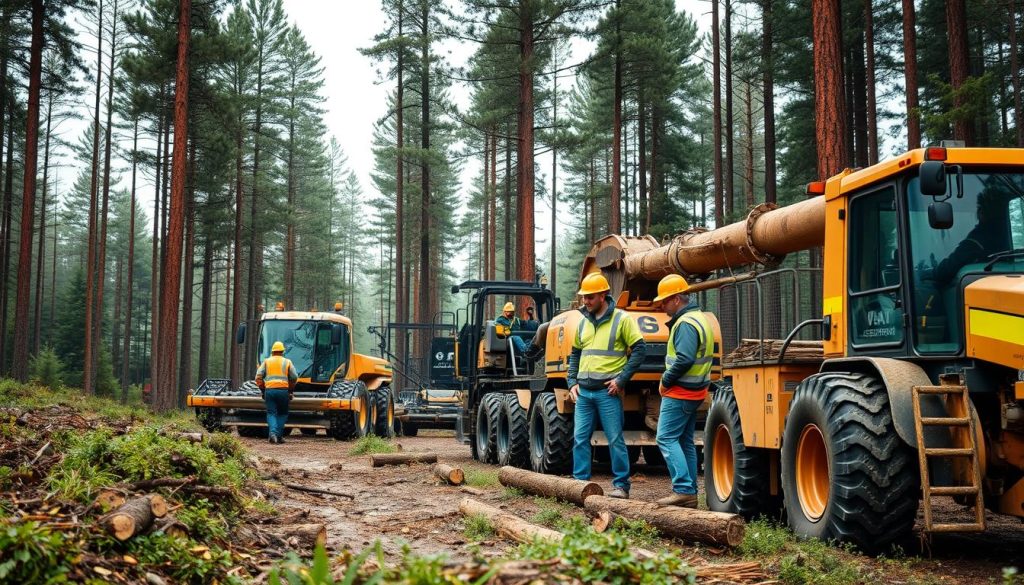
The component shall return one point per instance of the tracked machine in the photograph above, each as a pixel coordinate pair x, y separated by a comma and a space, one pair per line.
343, 392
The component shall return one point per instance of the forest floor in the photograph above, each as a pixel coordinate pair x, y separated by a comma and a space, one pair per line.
406, 507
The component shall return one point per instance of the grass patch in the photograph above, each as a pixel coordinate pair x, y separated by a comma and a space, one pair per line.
511, 493
819, 563
638, 531
371, 444
478, 527
764, 538
550, 513
478, 478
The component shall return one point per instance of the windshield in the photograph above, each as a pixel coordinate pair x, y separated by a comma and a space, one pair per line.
308, 345
987, 219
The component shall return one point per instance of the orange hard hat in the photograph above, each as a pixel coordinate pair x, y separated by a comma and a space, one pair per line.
593, 283
673, 284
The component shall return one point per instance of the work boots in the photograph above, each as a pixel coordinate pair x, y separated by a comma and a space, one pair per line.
272, 439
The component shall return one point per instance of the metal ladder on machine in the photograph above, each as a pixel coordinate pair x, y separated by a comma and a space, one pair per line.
962, 432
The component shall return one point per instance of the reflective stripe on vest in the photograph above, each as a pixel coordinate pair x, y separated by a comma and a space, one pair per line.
599, 358
276, 374
699, 374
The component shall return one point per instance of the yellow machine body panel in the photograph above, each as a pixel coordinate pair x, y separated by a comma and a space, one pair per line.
763, 393
994, 311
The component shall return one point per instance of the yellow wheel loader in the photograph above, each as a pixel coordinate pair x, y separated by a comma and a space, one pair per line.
346, 393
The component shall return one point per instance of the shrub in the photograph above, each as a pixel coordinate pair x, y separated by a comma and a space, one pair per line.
46, 369
371, 444
478, 527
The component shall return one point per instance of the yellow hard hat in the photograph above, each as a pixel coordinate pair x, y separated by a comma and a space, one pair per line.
277, 348
593, 283
673, 284
508, 307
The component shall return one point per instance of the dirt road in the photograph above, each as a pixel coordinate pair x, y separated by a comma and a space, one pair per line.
406, 505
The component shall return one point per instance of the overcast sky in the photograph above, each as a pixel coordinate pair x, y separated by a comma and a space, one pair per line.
356, 98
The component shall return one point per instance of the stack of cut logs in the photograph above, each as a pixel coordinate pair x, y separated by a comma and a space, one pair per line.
751, 350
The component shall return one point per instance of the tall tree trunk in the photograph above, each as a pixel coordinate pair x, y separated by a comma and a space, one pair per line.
956, 24
485, 234
37, 320
641, 140
525, 256
255, 248
748, 104
171, 281
28, 205
1018, 110
185, 365
730, 194
89, 361
655, 176
767, 41
507, 208
401, 284
206, 307
493, 251
116, 322
829, 106
615, 222
5, 261
425, 302
869, 43
101, 243
154, 283
554, 187
126, 348
716, 116
860, 99
234, 285
910, 74
289, 242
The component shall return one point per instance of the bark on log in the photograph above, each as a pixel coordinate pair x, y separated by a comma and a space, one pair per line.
452, 475
170, 526
685, 523
603, 520
508, 524
109, 499
472, 490
570, 490
134, 516
381, 460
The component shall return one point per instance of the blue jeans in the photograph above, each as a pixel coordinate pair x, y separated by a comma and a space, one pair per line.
609, 411
675, 439
520, 345
277, 409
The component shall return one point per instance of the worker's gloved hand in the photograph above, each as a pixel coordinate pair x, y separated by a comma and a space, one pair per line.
574, 392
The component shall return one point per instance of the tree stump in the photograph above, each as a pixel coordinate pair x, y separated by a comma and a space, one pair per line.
170, 526
450, 474
685, 523
563, 488
382, 459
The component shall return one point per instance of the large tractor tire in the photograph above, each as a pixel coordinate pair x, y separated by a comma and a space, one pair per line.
551, 437
384, 422
846, 474
736, 478
211, 419
486, 433
350, 424
513, 440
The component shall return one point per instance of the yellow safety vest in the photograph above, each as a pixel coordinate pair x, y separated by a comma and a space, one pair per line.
602, 351
275, 371
699, 374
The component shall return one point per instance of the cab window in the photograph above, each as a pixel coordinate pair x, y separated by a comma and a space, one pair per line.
874, 263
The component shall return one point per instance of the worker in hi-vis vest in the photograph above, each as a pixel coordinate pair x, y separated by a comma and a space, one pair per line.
276, 378
684, 385
606, 351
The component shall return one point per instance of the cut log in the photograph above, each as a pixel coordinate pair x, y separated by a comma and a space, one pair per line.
563, 488
450, 474
472, 490
685, 523
109, 499
313, 490
380, 460
508, 524
134, 516
603, 520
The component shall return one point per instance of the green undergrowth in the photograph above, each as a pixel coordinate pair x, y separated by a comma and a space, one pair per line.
550, 512
802, 561
477, 527
511, 493
372, 444
480, 478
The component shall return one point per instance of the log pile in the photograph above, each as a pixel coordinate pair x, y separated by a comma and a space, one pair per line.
562, 488
749, 350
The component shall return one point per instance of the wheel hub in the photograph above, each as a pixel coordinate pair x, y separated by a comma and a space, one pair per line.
812, 473
723, 464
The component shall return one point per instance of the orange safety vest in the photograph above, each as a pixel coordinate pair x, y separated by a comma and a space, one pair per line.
275, 371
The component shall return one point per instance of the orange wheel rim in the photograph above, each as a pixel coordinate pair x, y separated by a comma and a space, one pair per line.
722, 463
391, 413
363, 414
812, 473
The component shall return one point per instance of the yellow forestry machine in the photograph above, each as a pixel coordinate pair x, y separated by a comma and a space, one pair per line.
898, 379
346, 393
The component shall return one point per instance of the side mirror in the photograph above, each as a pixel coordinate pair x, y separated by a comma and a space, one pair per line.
336, 332
826, 328
940, 215
933, 178
240, 334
